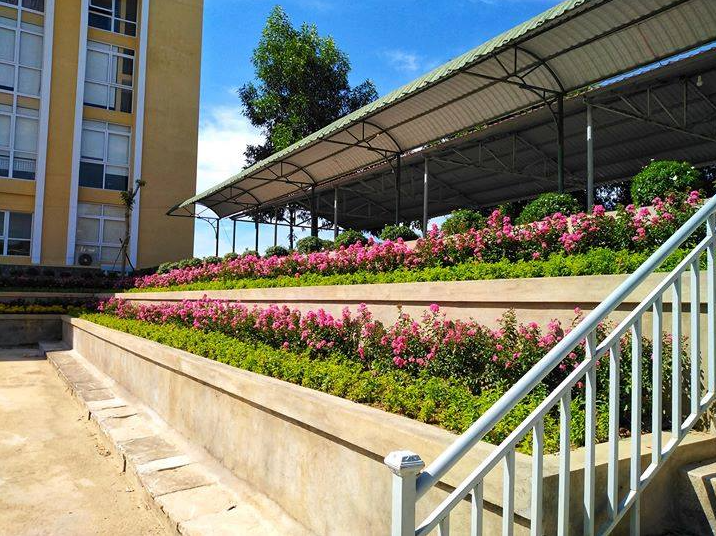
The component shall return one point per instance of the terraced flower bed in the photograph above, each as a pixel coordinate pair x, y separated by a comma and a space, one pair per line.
439, 371
580, 244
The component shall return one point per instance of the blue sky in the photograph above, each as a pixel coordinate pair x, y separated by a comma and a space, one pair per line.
389, 41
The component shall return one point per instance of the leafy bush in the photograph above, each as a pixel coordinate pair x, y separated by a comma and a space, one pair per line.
249, 253
230, 256
212, 259
193, 262
166, 267
461, 221
277, 251
443, 402
350, 237
312, 244
393, 232
663, 177
546, 205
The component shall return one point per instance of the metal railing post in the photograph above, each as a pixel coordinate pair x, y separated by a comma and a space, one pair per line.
405, 466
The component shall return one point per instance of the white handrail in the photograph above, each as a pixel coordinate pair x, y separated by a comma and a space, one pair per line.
415, 484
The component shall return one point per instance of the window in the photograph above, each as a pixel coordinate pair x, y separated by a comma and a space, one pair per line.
108, 77
15, 233
100, 231
35, 5
104, 152
20, 57
119, 16
18, 142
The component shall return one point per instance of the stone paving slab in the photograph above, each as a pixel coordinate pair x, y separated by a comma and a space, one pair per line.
184, 491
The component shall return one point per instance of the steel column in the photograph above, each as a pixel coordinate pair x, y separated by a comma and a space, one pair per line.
590, 159
335, 213
291, 223
397, 190
216, 234
560, 143
275, 227
426, 177
256, 231
314, 213
233, 237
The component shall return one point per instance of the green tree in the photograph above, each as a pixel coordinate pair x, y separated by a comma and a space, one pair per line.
301, 85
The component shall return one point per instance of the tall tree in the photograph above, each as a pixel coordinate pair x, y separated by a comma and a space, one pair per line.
301, 85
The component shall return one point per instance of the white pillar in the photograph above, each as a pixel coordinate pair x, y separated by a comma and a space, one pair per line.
41, 168
139, 128
426, 177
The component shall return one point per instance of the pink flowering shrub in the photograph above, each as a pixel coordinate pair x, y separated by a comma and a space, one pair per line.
432, 346
634, 229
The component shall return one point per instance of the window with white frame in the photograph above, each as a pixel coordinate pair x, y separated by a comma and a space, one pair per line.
119, 16
34, 5
18, 141
20, 57
108, 76
100, 231
15, 233
104, 152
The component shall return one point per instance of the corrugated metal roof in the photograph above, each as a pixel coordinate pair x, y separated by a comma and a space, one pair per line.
570, 46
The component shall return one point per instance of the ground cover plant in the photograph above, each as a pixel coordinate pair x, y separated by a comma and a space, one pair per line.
631, 230
440, 371
48, 306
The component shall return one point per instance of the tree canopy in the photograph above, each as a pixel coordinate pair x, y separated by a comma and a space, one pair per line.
301, 85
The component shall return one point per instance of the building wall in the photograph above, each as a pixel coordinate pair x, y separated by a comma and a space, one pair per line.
168, 144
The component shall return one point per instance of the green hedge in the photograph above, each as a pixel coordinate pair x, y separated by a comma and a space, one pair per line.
445, 403
598, 261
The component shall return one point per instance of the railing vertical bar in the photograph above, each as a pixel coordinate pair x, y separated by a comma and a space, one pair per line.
508, 494
635, 466
614, 406
695, 339
711, 301
444, 526
564, 451
676, 360
476, 513
537, 484
590, 411
656, 381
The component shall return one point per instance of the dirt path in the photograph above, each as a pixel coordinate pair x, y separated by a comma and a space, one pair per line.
55, 478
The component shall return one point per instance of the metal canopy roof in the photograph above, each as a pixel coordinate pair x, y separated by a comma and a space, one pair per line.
516, 159
573, 45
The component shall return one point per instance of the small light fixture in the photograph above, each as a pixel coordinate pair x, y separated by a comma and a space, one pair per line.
699, 81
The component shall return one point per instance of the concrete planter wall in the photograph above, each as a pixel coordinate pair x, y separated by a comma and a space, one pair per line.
320, 456
25, 329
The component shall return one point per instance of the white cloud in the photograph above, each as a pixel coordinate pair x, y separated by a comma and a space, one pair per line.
223, 136
403, 61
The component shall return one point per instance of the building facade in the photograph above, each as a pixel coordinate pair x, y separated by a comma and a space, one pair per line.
95, 95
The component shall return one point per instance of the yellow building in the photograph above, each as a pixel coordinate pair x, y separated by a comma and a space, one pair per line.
94, 95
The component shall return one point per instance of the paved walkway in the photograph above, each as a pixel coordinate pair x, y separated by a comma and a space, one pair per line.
55, 478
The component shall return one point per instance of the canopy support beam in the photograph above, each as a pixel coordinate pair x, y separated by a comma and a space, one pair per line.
314, 212
560, 143
256, 234
397, 189
335, 213
233, 236
590, 159
426, 176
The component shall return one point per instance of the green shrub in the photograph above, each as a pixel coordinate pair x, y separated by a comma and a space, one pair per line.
312, 244
167, 267
276, 251
193, 262
393, 232
663, 177
350, 237
248, 252
212, 259
461, 221
546, 205
443, 402
230, 256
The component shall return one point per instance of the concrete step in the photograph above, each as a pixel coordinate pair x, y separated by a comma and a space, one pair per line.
190, 491
696, 509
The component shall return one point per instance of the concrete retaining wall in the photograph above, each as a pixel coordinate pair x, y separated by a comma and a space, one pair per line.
25, 329
320, 456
